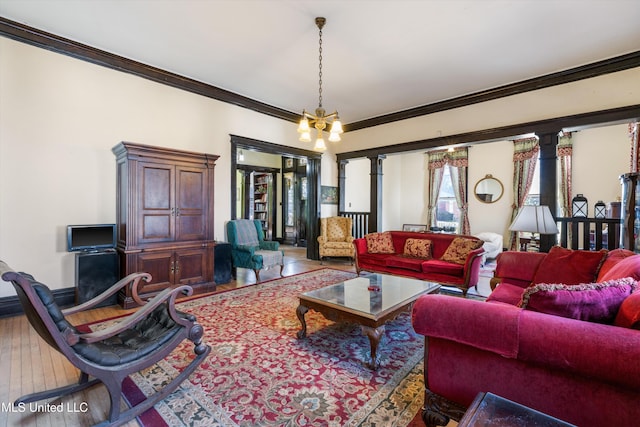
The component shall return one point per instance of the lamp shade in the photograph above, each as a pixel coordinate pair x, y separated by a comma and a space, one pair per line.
534, 219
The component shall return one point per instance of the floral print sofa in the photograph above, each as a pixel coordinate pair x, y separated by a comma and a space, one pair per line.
450, 259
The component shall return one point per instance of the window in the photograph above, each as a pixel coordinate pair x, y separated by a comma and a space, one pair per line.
447, 211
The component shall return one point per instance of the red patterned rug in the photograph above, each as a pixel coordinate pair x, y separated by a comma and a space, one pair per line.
259, 373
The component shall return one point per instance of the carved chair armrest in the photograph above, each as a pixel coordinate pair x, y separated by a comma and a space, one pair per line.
141, 314
133, 278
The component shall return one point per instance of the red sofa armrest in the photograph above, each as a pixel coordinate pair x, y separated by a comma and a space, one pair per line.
361, 245
593, 350
517, 268
472, 267
487, 326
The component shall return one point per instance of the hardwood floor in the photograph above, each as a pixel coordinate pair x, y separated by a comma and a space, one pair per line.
30, 365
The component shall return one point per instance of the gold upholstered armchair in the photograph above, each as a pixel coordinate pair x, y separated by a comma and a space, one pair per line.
336, 239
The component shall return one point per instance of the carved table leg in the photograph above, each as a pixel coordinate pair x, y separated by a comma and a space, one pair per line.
300, 312
374, 335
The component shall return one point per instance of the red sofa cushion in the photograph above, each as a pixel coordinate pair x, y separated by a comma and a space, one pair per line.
442, 267
409, 263
507, 293
569, 267
628, 267
594, 302
613, 258
629, 314
518, 268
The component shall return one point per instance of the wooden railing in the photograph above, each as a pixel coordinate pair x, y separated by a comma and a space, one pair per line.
589, 233
360, 223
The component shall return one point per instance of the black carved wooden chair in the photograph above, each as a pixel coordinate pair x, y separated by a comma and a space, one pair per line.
110, 355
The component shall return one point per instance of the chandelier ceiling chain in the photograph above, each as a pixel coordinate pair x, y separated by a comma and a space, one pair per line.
319, 120
320, 63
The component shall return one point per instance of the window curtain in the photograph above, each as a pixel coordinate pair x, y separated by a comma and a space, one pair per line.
564, 151
634, 130
458, 161
525, 157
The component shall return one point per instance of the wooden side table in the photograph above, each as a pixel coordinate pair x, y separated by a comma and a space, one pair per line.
489, 409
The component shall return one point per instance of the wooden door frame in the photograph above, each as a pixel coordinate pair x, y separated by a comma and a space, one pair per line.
313, 176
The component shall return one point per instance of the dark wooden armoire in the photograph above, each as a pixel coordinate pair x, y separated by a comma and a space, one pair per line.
165, 217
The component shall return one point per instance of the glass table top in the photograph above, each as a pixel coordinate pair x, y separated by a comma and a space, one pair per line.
386, 293
497, 411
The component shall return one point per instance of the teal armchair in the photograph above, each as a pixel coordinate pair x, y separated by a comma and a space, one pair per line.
250, 250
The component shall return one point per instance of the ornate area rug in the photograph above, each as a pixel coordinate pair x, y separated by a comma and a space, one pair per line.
260, 374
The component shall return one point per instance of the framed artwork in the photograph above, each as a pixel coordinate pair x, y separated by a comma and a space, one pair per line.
328, 195
420, 228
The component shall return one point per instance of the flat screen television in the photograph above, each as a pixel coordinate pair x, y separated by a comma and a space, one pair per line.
91, 237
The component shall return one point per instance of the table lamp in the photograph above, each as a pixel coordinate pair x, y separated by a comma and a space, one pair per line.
534, 219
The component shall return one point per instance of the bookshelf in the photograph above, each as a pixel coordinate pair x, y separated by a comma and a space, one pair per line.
261, 200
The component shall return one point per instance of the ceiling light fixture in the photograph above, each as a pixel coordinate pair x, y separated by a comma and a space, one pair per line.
319, 120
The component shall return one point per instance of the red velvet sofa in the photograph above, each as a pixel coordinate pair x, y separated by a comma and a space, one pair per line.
583, 372
432, 267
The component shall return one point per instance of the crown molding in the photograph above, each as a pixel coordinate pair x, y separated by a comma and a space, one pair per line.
55, 43
540, 127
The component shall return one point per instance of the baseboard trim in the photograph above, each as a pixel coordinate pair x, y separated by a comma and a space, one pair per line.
10, 306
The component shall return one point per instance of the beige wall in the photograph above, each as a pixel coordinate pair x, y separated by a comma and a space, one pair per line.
600, 156
60, 117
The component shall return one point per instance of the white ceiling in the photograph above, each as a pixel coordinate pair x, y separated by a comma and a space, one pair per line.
378, 56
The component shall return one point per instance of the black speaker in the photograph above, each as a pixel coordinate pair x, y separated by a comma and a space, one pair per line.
95, 273
222, 263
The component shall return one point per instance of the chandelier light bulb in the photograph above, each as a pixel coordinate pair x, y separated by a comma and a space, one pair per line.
320, 145
336, 126
305, 136
304, 124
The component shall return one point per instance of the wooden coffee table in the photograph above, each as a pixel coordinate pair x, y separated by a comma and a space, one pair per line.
369, 301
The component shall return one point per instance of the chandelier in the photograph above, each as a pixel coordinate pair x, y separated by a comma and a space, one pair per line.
319, 120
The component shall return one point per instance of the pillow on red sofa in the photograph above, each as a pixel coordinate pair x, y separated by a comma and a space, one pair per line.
611, 260
417, 248
459, 249
569, 267
380, 243
593, 302
629, 313
628, 267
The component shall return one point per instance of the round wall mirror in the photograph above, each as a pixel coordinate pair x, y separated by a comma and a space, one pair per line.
488, 189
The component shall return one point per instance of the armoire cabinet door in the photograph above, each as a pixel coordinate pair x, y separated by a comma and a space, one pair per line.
161, 267
156, 212
191, 203
191, 266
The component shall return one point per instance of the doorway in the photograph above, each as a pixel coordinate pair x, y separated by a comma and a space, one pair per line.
307, 222
294, 201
